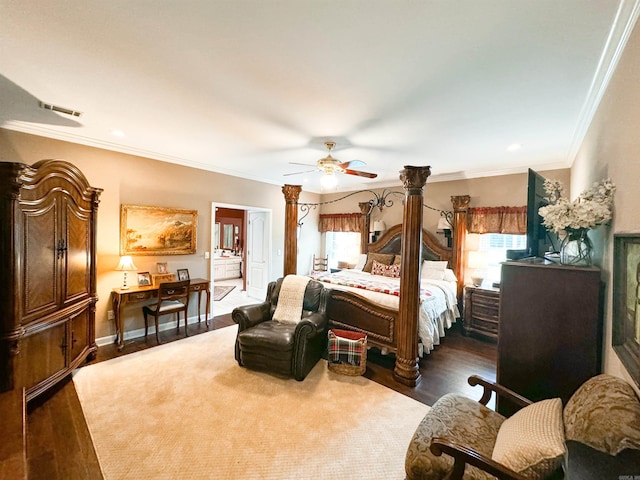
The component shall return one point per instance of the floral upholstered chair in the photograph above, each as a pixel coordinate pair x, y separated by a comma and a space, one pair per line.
597, 433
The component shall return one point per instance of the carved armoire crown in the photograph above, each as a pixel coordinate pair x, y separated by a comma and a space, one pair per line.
48, 217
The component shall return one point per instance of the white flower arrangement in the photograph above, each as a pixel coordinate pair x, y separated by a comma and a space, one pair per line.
592, 207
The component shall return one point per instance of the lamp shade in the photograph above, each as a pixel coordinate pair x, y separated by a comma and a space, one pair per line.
477, 260
379, 226
126, 264
329, 181
443, 225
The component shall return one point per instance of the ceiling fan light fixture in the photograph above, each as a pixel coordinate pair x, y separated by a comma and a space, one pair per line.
329, 181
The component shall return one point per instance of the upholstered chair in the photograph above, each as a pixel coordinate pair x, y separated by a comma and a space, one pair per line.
288, 349
595, 436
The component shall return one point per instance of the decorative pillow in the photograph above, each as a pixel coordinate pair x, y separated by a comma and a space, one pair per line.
433, 270
397, 260
362, 260
384, 258
385, 270
449, 276
604, 413
435, 264
531, 442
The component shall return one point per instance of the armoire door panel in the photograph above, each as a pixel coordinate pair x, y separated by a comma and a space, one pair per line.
40, 262
77, 259
78, 338
42, 355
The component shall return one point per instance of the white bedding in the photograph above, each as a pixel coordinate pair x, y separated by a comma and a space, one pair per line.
438, 306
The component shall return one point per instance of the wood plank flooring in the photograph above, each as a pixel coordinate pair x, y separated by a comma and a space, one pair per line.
59, 444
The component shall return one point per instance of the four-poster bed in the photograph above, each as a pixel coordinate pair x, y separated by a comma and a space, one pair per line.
411, 242
353, 306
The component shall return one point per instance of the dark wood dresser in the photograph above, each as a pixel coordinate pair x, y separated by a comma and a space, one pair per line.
550, 335
481, 312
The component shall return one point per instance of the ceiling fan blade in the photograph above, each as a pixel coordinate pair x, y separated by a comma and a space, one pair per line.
305, 164
352, 163
360, 174
298, 173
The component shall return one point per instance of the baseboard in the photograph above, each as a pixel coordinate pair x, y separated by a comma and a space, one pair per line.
139, 332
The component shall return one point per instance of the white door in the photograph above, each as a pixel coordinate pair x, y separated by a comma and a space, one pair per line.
258, 254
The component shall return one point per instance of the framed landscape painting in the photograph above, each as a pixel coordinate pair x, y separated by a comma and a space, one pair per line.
146, 230
626, 302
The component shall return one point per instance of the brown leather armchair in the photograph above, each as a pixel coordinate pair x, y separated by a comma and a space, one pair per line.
283, 348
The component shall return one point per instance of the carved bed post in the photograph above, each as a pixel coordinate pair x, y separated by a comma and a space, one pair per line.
460, 205
406, 370
365, 209
291, 195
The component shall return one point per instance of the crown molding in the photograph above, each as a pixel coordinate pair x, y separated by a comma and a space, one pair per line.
625, 20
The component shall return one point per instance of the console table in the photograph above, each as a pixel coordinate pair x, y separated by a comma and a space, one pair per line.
120, 297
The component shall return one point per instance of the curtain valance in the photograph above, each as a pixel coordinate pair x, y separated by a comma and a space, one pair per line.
509, 220
341, 222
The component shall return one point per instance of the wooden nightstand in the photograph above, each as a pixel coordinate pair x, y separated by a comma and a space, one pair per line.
481, 311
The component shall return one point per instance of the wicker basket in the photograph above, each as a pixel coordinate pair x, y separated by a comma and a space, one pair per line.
358, 341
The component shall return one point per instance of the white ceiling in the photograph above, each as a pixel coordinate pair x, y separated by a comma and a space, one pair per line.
245, 87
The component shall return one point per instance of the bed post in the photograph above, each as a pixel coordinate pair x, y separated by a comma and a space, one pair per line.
406, 370
291, 195
365, 209
460, 205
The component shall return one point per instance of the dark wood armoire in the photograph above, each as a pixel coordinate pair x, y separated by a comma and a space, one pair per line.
48, 284
550, 334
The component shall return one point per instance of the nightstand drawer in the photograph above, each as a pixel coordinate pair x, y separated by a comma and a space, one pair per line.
481, 312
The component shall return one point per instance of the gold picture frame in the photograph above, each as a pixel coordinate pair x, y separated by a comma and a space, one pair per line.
148, 230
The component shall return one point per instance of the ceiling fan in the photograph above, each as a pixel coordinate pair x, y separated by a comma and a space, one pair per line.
329, 165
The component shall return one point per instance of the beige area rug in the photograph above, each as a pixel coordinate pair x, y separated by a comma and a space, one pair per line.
187, 410
220, 292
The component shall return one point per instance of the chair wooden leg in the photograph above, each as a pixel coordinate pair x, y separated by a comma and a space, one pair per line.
157, 332
186, 330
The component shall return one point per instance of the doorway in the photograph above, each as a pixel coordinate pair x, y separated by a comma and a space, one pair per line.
244, 232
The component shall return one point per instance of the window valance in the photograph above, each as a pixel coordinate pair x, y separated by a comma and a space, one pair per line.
341, 222
509, 220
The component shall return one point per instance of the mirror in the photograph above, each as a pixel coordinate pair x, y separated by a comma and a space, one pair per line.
227, 240
216, 235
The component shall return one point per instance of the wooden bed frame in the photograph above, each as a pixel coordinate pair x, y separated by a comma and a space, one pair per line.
350, 311
401, 330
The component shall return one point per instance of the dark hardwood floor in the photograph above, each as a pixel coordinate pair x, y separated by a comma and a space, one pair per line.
59, 444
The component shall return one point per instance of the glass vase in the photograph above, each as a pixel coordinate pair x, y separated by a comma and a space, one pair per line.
576, 248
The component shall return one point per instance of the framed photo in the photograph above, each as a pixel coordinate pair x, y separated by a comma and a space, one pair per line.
146, 230
626, 302
144, 279
162, 267
183, 274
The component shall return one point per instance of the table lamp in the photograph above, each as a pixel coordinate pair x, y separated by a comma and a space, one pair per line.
478, 261
125, 265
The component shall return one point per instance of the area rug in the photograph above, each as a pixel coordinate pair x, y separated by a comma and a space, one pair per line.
187, 410
220, 292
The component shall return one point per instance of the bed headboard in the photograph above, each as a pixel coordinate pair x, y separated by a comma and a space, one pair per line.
391, 242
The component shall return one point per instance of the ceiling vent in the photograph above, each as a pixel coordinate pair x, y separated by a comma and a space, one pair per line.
56, 108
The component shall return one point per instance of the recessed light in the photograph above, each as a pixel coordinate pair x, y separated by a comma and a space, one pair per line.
117, 133
513, 147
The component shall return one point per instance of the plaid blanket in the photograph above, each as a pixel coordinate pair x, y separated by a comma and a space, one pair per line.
375, 284
346, 347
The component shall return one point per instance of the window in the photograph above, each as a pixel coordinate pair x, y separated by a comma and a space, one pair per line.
342, 247
495, 246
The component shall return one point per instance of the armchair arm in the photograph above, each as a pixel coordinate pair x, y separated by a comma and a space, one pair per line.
499, 390
250, 315
317, 319
463, 455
